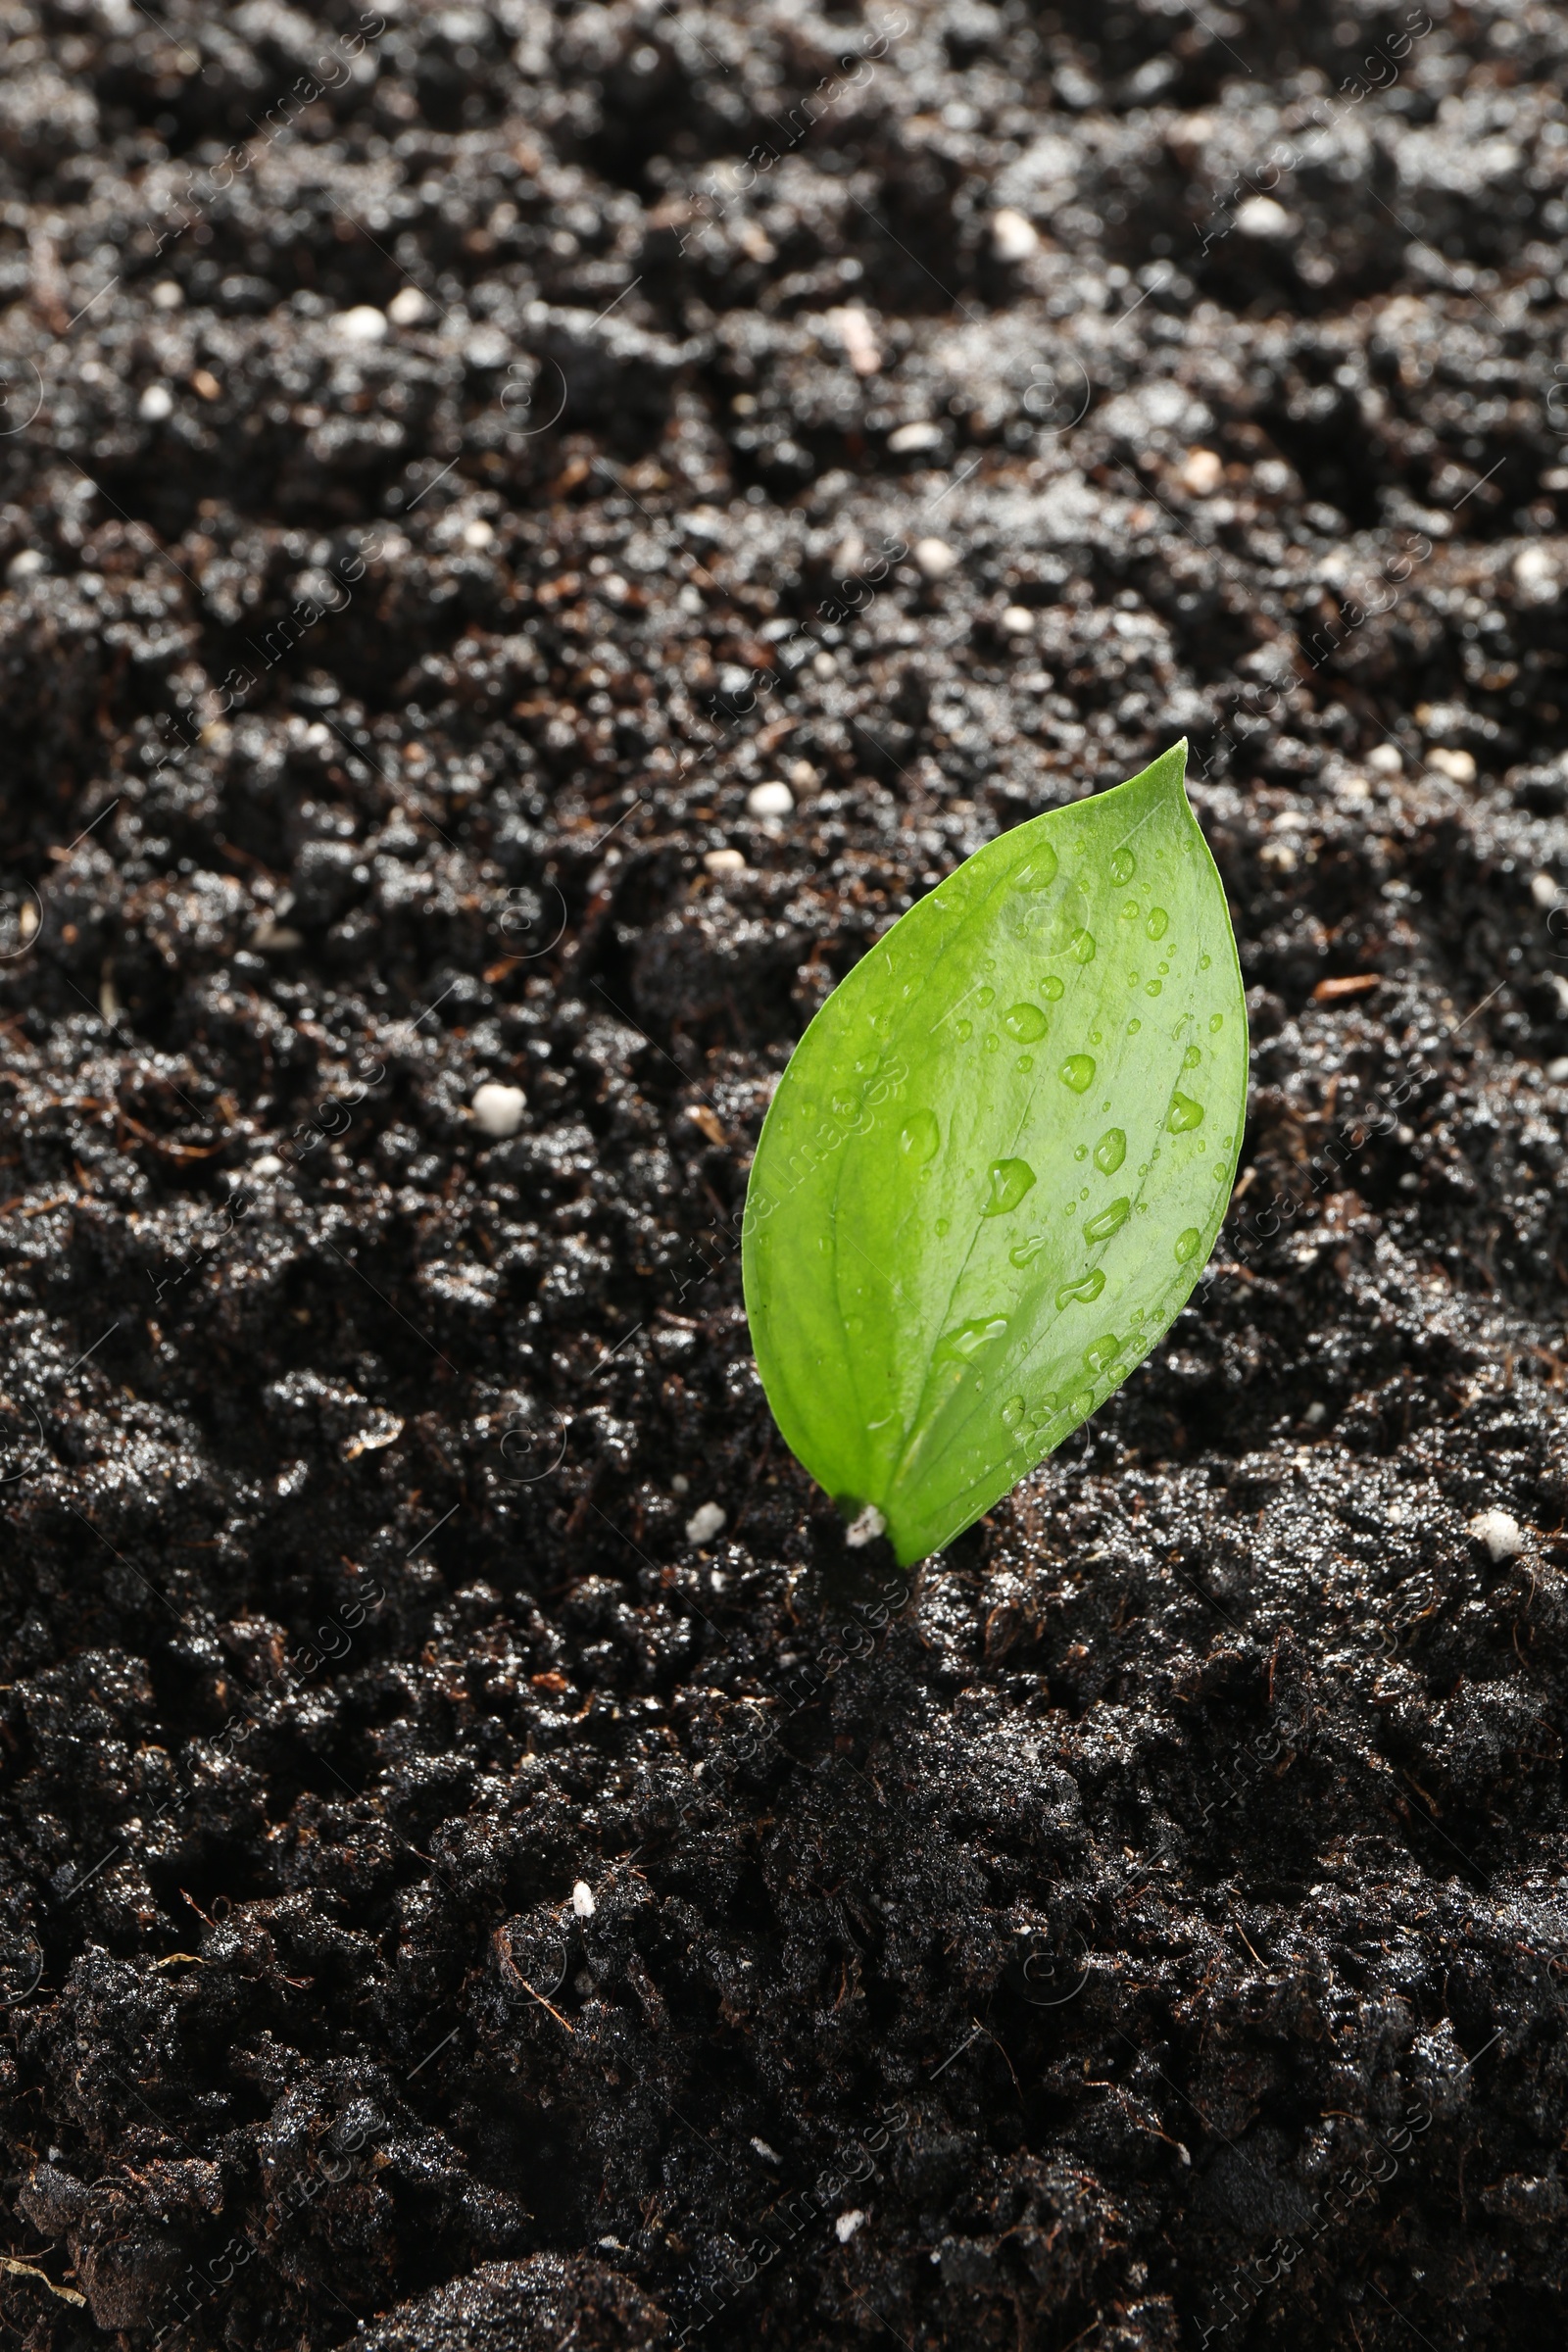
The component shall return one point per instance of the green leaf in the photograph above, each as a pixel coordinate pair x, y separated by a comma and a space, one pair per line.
999, 1160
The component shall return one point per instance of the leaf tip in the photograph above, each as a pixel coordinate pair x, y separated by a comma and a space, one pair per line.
1171, 765
1164, 778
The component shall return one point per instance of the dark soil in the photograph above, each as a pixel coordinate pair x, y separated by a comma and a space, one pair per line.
442, 1898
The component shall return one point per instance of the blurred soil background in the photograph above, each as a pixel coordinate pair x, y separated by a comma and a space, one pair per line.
456, 1889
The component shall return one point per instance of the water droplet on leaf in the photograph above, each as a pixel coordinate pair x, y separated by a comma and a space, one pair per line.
1050, 988
1158, 922
1023, 1253
965, 1031
1187, 1244
1087, 1287
1185, 1115
1192, 1057
1083, 946
986, 995
1111, 1150
1011, 1179
921, 1138
1109, 1220
1038, 869
968, 1339
1026, 1022
1217, 1023
1100, 1354
1078, 1072
1123, 865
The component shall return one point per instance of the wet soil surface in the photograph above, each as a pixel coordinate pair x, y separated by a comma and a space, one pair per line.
459, 1889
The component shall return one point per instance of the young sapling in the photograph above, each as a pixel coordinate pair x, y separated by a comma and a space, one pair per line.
999, 1161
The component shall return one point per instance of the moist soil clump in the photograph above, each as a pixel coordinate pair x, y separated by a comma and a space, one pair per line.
484, 1863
